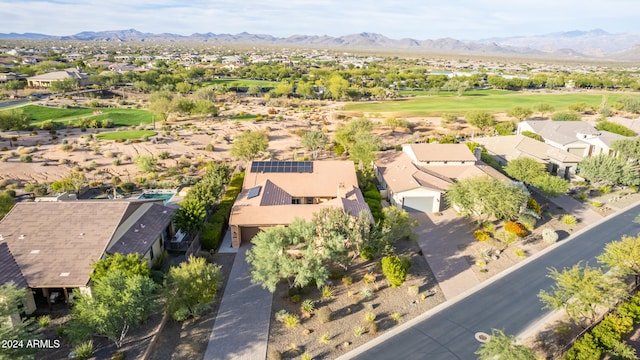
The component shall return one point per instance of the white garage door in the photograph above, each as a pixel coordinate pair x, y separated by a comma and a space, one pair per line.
418, 203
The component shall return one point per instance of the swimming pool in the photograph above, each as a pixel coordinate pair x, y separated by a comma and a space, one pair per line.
165, 195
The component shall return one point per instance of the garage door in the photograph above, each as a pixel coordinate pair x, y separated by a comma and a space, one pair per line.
248, 233
418, 203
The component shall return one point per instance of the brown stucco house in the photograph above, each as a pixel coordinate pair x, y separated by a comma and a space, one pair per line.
50, 247
277, 192
45, 80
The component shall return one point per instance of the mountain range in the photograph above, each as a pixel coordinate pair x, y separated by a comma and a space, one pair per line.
593, 44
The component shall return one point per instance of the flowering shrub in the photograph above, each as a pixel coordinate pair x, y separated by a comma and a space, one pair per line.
481, 235
516, 229
532, 204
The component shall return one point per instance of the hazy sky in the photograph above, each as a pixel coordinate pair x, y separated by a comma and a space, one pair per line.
426, 19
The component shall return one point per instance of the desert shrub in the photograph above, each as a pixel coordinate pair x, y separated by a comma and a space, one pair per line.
294, 299
367, 293
118, 355
327, 292
549, 236
307, 306
324, 339
395, 269
163, 155
338, 149
291, 321
532, 204
84, 350
369, 317
565, 116
209, 147
367, 253
347, 280
520, 253
614, 128
528, 221
569, 219
324, 314
44, 321
605, 189
585, 348
489, 227
369, 278
26, 158
359, 330
481, 235
533, 135
516, 229
397, 317
211, 235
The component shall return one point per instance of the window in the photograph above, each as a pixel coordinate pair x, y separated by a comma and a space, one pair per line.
309, 201
151, 252
296, 201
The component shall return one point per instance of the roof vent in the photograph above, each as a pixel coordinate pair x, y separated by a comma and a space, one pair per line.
142, 226
21, 237
135, 230
64, 274
81, 234
35, 251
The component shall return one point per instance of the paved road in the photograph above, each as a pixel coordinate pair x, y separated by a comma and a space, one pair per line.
509, 303
13, 103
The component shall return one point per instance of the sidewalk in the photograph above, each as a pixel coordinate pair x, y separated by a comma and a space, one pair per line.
580, 210
241, 330
440, 237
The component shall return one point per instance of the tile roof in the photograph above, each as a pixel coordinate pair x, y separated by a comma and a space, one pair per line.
55, 243
512, 147
9, 270
442, 152
148, 224
272, 206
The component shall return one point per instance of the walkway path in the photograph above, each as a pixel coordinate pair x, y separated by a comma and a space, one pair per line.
241, 330
582, 211
440, 238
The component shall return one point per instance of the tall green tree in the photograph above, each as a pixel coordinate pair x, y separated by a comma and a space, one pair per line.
314, 141
6, 204
191, 287
481, 119
345, 135
64, 85
74, 181
128, 265
337, 87
503, 347
118, 302
13, 329
162, 103
365, 149
14, 119
531, 172
544, 108
609, 170
623, 257
520, 113
628, 148
485, 197
190, 217
249, 144
580, 291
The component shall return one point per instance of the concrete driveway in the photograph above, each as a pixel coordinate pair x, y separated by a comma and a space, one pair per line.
441, 237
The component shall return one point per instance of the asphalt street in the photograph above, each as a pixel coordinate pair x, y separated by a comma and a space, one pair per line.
509, 303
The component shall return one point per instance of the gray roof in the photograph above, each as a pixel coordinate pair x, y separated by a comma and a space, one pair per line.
144, 231
9, 270
566, 132
55, 243
512, 147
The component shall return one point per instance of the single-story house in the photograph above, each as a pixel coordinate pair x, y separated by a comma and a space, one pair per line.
417, 177
50, 247
45, 80
511, 147
577, 137
277, 192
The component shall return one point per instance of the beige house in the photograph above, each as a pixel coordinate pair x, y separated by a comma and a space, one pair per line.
506, 148
277, 192
45, 80
417, 177
49, 247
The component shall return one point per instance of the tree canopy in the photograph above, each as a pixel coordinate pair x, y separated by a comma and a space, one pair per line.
580, 290
609, 170
314, 141
129, 265
503, 347
531, 172
117, 303
628, 148
12, 328
191, 287
249, 144
481, 119
485, 196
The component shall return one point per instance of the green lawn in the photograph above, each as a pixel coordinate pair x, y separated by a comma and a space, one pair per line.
131, 134
488, 101
120, 117
242, 82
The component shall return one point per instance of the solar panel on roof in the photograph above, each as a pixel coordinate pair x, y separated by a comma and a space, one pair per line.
254, 191
282, 167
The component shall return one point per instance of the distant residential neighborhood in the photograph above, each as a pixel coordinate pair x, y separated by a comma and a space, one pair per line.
197, 201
